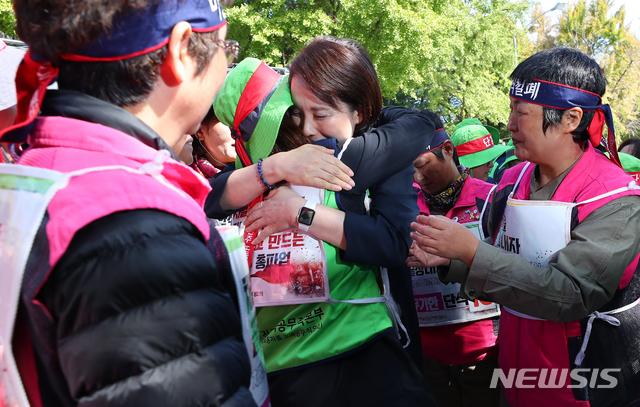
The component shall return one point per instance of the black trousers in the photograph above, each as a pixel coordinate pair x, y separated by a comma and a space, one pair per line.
463, 385
402, 293
380, 374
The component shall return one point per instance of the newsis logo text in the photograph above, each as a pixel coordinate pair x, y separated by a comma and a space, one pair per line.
555, 378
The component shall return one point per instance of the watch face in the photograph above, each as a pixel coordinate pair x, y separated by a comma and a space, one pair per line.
306, 216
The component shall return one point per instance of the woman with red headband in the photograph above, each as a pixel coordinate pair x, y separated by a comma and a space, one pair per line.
563, 246
124, 298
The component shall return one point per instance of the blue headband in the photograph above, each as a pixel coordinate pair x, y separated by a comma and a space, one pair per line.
142, 31
554, 95
439, 137
563, 97
133, 34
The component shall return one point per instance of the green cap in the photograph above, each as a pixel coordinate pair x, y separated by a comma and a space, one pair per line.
252, 102
631, 165
475, 145
510, 154
495, 133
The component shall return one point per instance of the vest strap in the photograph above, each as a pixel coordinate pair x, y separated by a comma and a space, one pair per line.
521, 315
484, 208
344, 148
371, 300
606, 317
515, 186
392, 306
632, 185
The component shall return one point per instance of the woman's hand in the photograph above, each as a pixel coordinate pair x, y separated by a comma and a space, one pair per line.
445, 238
420, 258
278, 212
308, 165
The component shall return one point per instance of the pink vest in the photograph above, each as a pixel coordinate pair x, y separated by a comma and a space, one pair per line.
526, 343
66, 145
468, 342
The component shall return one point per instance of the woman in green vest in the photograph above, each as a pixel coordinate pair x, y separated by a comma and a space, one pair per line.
327, 337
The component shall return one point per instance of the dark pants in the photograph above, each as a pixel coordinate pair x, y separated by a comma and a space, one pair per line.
381, 374
402, 293
463, 385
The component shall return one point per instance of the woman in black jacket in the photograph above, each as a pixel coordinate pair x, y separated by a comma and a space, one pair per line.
381, 164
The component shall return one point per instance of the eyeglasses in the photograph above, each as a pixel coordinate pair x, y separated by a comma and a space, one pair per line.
231, 49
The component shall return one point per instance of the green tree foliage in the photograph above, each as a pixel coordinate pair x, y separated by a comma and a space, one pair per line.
7, 20
594, 29
275, 30
452, 56
469, 74
588, 28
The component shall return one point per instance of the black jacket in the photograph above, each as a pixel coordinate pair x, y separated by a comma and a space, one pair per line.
383, 165
140, 315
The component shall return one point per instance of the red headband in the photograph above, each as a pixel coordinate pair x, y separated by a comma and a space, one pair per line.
475, 146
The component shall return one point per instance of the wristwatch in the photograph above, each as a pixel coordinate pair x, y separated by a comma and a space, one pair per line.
305, 216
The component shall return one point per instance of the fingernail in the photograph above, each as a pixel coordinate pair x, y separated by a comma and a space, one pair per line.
351, 174
347, 187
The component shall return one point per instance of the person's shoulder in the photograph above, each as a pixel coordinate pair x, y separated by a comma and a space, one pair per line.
479, 186
511, 175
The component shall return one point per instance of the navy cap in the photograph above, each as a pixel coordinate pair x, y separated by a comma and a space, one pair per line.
439, 137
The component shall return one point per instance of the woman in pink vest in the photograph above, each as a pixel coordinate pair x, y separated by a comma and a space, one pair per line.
459, 344
562, 252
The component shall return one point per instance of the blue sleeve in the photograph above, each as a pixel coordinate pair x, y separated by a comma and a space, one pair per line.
383, 239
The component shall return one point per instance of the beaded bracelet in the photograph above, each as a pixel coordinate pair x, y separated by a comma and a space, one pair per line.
264, 181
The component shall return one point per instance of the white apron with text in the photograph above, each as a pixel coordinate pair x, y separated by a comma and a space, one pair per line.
25, 193
235, 247
438, 303
289, 267
536, 230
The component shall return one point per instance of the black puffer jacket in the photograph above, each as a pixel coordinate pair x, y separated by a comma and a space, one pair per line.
142, 318
137, 312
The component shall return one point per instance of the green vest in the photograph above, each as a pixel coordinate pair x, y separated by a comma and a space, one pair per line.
295, 335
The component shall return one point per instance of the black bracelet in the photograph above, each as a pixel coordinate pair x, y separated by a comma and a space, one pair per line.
264, 181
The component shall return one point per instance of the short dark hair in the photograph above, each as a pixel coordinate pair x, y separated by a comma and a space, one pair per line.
440, 155
568, 67
53, 27
634, 142
210, 117
434, 117
339, 69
